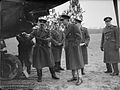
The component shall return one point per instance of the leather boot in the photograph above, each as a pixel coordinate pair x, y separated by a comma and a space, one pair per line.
39, 74
79, 81
57, 67
29, 69
109, 68
53, 73
60, 68
82, 71
72, 79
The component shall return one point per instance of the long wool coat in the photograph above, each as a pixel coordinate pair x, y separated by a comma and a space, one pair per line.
86, 40
57, 37
74, 58
42, 54
110, 42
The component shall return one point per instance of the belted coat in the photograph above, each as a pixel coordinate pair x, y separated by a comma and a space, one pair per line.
86, 40
42, 54
110, 44
57, 44
73, 52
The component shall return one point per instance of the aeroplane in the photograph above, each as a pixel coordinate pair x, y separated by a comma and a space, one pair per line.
19, 16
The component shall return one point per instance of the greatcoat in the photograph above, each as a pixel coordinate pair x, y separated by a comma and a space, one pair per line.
86, 40
110, 44
42, 54
57, 37
74, 58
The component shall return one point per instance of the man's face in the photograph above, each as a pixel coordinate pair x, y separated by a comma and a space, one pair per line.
55, 26
78, 24
65, 21
108, 23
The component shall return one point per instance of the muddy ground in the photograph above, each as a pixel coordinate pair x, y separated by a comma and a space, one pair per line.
94, 79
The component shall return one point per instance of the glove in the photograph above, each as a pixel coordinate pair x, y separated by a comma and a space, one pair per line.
101, 48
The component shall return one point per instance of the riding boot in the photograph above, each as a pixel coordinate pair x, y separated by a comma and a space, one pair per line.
115, 69
29, 69
59, 65
53, 73
56, 67
39, 74
79, 78
109, 68
79, 81
74, 78
82, 71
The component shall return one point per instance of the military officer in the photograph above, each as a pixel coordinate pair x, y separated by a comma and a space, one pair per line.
57, 45
74, 59
42, 54
110, 46
84, 42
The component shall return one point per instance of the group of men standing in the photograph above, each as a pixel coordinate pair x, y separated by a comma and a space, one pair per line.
48, 47
74, 39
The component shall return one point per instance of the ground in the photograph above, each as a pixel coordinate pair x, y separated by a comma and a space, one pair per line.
94, 79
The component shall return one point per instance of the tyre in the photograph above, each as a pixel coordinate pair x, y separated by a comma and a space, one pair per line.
10, 67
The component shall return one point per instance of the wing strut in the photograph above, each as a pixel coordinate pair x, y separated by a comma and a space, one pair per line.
115, 2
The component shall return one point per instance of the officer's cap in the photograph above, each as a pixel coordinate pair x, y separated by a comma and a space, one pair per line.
60, 19
41, 20
78, 20
65, 17
107, 19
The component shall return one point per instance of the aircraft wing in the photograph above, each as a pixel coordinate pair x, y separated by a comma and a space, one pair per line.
17, 14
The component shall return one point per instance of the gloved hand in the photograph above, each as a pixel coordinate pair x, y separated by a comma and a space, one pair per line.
101, 48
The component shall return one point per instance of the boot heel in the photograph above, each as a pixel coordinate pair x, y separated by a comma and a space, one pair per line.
72, 79
79, 81
55, 77
39, 74
39, 79
82, 71
53, 73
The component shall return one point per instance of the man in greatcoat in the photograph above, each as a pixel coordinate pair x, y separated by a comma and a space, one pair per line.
110, 46
42, 54
57, 45
84, 42
74, 59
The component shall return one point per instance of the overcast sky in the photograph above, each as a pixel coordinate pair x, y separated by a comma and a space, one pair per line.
95, 11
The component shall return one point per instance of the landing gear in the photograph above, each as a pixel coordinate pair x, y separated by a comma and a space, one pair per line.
10, 67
